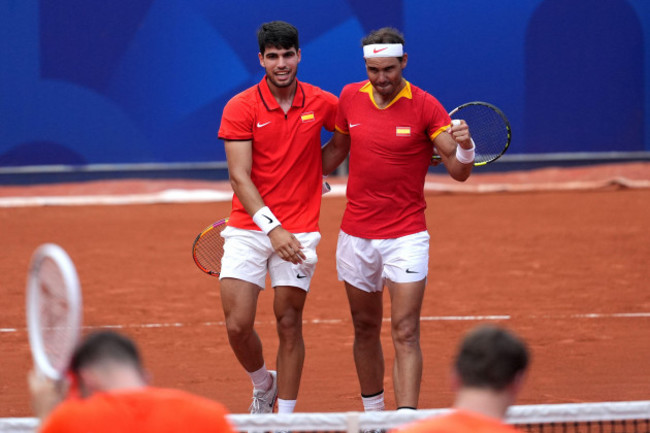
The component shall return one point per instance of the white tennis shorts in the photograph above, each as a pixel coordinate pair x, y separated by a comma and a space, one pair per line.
368, 263
248, 256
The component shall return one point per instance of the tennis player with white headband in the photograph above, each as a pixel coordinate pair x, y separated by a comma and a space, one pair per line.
390, 129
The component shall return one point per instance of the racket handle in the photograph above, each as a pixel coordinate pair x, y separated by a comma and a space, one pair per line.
310, 257
326, 188
455, 122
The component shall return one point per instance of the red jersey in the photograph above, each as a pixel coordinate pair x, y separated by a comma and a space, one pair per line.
390, 154
458, 422
148, 410
287, 165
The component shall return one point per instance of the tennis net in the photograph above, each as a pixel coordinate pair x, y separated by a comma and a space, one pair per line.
611, 417
608, 417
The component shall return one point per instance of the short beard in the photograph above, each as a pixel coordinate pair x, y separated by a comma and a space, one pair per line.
289, 83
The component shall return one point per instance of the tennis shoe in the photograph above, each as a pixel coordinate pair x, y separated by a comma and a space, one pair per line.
264, 401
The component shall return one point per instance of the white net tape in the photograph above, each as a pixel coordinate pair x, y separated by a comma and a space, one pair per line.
353, 422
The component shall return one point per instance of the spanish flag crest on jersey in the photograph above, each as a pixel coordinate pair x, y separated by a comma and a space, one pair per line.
403, 131
307, 117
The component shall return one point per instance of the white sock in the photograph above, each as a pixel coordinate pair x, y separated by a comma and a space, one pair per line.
286, 406
261, 378
374, 402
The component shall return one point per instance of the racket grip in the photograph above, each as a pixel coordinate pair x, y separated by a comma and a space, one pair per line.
326, 188
455, 122
310, 257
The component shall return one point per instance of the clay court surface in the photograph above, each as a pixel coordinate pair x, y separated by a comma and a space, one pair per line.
559, 256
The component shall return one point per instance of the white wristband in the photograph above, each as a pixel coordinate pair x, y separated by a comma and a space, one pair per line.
265, 220
465, 156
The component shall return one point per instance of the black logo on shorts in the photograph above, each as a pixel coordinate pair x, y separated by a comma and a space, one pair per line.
408, 271
301, 276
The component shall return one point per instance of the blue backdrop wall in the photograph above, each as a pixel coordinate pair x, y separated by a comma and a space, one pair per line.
124, 81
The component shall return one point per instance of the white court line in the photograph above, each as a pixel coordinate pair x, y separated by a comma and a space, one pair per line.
337, 321
460, 318
167, 196
210, 195
598, 316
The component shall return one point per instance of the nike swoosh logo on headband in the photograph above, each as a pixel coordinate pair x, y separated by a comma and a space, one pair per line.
378, 50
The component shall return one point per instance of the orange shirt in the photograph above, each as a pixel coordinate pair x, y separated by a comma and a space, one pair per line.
390, 154
148, 410
287, 165
458, 422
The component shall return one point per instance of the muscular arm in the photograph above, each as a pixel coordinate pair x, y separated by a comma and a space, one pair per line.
240, 162
335, 151
445, 144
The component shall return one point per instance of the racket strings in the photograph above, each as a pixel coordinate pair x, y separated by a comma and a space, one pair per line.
58, 334
488, 129
208, 249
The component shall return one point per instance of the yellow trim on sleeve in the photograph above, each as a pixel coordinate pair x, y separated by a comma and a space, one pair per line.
438, 131
341, 131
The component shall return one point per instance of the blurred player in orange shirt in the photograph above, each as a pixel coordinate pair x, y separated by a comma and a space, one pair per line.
110, 394
488, 374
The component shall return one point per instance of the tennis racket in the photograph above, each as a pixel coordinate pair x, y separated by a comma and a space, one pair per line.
207, 249
489, 127
53, 310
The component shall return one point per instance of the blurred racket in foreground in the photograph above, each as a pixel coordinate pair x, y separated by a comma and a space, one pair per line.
53, 309
489, 129
207, 249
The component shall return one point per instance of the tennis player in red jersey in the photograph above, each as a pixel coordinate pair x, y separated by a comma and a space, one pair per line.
390, 129
110, 393
272, 139
488, 375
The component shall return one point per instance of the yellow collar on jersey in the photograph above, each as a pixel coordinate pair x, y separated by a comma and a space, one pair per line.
404, 93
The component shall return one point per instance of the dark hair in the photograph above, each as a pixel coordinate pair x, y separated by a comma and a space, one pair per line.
103, 346
385, 35
490, 357
278, 34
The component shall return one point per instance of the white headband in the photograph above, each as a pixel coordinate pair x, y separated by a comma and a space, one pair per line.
383, 50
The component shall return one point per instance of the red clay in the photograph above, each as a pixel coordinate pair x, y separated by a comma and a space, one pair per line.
536, 262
